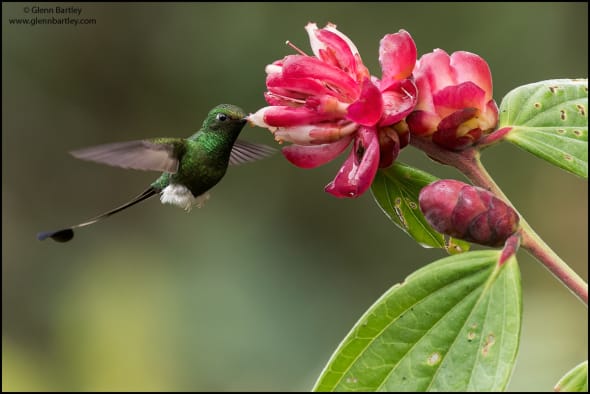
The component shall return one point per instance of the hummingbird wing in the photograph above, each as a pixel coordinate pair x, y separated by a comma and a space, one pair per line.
155, 155
246, 152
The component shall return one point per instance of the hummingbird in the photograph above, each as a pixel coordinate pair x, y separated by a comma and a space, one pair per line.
190, 166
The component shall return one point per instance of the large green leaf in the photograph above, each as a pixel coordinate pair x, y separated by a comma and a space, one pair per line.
550, 120
575, 380
453, 325
396, 190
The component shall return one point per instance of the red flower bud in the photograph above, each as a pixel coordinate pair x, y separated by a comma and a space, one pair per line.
467, 212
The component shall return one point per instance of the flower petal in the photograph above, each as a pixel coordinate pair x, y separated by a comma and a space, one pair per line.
358, 171
283, 116
316, 155
306, 86
309, 67
458, 130
436, 68
397, 56
398, 101
456, 97
314, 134
422, 123
468, 66
389, 146
367, 109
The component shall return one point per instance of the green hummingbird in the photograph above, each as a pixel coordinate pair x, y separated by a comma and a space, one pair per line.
191, 166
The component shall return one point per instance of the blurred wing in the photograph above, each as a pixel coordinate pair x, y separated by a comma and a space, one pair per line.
246, 152
139, 155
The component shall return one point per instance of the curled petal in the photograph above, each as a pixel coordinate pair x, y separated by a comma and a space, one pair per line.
306, 86
397, 56
310, 67
458, 130
336, 52
389, 146
435, 67
316, 155
455, 97
423, 123
283, 116
367, 109
358, 171
489, 117
468, 66
278, 99
425, 92
399, 99
314, 134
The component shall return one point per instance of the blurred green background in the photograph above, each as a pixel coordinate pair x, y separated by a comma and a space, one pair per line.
256, 290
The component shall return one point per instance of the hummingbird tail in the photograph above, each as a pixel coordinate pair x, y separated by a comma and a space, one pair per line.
66, 234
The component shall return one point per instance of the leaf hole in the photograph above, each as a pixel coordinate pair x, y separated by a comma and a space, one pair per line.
537, 105
553, 89
434, 358
490, 340
578, 133
562, 114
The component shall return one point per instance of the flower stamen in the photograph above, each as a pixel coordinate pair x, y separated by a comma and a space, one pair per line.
289, 43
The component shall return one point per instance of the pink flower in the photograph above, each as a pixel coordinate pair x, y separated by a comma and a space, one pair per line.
455, 104
324, 103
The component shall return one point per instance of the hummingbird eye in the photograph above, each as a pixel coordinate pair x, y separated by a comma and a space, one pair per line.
222, 117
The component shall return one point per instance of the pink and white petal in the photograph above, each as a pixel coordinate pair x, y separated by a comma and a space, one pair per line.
314, 134
358, 171
316, 44
422, 123
468, 66
257, 118
456, 97
293, 116
436, 67
489, 117
397, 56
304, 86
310, 67
425, 93
398, 101
273, 98
368, 108
316, 155
337, 51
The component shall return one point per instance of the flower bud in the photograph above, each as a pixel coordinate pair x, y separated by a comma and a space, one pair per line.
467, 212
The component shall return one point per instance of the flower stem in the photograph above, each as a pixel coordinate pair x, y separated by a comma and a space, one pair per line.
468, 162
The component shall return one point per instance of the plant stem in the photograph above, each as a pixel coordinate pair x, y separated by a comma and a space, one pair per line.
468, 162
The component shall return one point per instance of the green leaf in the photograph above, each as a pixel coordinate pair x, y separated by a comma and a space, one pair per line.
396, 191
550, 120
575, 380
453, 325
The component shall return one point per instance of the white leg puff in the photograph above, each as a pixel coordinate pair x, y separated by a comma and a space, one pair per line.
180, 196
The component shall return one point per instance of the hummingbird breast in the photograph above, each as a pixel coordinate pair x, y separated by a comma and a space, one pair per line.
201, 167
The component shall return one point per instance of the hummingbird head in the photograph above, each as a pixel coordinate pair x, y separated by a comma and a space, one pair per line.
225, 118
